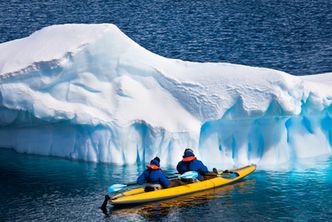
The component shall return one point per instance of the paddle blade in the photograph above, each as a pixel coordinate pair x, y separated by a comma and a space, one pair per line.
116, 187
189, 175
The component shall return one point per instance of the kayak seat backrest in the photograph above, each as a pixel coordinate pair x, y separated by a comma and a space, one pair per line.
152, 187
189, 180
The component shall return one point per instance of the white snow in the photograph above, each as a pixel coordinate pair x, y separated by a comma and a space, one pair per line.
89, 92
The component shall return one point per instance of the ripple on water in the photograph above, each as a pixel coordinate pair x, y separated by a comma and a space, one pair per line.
75, 190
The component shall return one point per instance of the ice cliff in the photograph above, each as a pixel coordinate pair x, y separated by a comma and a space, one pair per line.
89, 92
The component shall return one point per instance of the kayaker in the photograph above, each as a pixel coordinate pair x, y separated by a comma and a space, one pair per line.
153, 176
191, 163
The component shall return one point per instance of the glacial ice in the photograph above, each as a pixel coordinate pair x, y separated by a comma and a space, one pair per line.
89, 92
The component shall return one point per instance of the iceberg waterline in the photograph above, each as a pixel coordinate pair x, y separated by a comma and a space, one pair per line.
89, 92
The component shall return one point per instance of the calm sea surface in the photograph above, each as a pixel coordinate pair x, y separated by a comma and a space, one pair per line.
51, 189
293, 36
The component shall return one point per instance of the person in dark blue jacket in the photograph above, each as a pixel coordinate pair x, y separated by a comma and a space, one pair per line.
153, 176
191, 163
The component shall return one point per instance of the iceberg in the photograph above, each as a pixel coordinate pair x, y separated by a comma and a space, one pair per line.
89, 92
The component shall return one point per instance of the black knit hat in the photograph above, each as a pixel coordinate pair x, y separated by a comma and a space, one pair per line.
188, 149
157, 159
188, 152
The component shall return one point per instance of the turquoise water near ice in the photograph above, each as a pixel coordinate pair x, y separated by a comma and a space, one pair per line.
36, 188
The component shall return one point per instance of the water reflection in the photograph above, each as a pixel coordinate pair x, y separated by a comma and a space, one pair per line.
53, 189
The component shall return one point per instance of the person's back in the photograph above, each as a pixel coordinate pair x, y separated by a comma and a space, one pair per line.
190, 163
153, 176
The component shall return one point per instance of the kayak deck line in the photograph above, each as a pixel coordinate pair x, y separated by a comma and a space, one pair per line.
138, 195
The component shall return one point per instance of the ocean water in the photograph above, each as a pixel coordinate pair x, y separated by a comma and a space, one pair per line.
292, 36
37, 188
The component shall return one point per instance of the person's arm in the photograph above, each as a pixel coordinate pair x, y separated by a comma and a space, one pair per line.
179, 168
141, 179
202, 169
164, 181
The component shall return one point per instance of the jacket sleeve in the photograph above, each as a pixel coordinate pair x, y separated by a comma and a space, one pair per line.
203, 169
179, 168
164, 181
141, 179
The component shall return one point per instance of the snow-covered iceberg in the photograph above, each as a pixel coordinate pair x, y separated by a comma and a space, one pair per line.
89, 92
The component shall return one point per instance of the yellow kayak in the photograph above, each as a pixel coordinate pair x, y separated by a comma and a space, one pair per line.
138, 196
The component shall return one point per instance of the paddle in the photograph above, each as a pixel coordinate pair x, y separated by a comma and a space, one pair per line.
189, 175
117, 187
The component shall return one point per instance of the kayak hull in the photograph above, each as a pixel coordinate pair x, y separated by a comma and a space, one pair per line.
138, 196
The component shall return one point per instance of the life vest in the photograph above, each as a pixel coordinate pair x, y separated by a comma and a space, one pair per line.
189, 158
152, 167
187, 161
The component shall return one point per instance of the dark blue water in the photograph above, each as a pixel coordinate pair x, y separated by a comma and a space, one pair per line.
50, 189
293, 36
